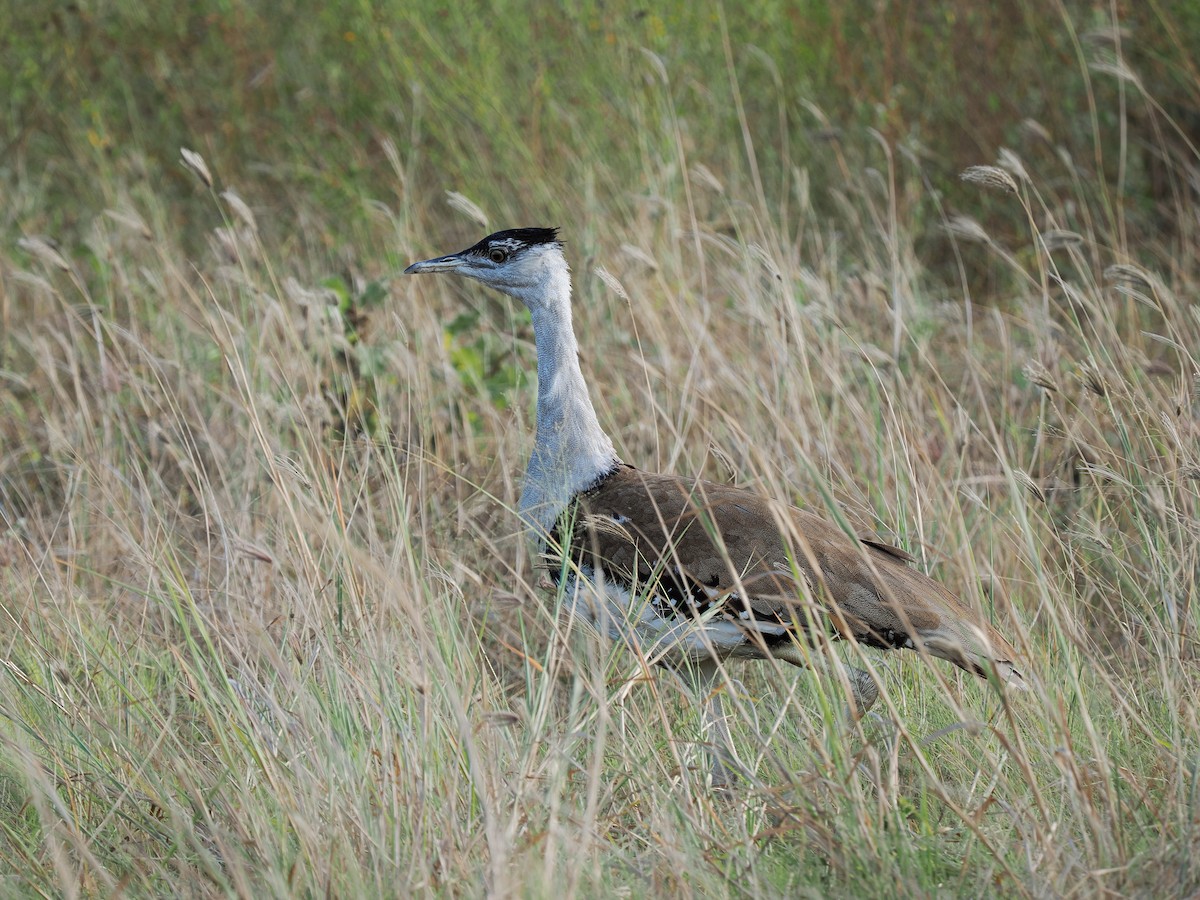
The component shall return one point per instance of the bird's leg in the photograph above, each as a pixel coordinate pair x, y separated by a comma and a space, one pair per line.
720, 741
715, 724
863, 690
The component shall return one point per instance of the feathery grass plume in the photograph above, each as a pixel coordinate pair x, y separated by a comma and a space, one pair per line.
46, 250
1025, 480
1036, 371
1010, 162
702, 174
225, 244
1130, 274
195, 162
1107, 63
612, 282
34, 281
1102, 473
765, 260
467, 207
1090, 376
1036, 130
1084, 531
967, 229
990, 177
1059, 239
641, 256
130, 220
240, 209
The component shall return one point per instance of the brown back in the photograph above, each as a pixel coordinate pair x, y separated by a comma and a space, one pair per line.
699, 539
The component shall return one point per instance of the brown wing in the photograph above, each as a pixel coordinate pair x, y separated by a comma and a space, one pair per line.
703, 542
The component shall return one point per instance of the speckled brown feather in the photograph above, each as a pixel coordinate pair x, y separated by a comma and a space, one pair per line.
733, 546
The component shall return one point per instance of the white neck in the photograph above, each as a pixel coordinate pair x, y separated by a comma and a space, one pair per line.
571, 451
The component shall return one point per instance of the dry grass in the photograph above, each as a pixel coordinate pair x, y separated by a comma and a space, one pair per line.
269, 629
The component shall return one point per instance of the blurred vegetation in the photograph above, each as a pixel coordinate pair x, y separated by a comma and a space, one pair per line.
513, 108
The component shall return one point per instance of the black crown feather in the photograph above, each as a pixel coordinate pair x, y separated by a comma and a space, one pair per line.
516, 238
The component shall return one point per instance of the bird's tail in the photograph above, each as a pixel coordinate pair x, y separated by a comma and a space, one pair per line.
979, 649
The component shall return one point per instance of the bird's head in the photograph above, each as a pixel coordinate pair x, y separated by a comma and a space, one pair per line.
526, 263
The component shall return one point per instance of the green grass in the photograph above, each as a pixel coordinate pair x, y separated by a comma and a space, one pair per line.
268, 624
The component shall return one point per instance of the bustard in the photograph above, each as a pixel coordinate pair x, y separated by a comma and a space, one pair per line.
692, 572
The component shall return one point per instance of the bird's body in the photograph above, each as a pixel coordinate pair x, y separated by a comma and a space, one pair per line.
691, 571
759, 574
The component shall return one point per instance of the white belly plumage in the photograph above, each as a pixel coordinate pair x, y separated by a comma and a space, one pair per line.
654, 629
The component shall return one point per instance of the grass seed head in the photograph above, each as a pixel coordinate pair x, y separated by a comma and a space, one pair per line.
467, 207
1092, 379
1012, 163
194, 161
240, 209
1025, 480
1060, 239
1036, 130
1036, 371
967, 229
1129, 274
46, 250
992, 177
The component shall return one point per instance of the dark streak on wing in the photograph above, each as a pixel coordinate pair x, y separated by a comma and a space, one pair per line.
903, 555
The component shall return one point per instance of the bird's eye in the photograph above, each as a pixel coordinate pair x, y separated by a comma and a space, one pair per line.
497, 255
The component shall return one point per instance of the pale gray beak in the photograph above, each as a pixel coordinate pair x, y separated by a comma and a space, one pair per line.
441, 264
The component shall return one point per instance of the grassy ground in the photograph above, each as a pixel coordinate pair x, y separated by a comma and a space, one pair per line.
268, 625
